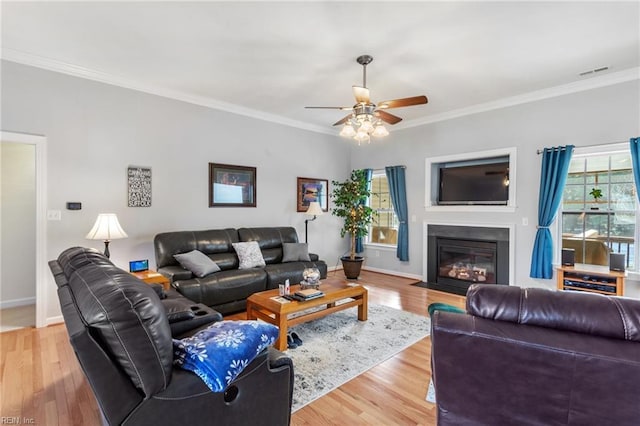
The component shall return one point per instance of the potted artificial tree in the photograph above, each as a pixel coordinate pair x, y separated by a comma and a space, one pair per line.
349, 203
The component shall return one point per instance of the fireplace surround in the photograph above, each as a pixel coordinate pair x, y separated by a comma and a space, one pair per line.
460, 255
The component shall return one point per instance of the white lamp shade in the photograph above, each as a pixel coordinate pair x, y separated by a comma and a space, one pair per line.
314, 209
380, 131
347, 131
107, 228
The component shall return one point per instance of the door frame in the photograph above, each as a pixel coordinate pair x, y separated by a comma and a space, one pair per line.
41, 215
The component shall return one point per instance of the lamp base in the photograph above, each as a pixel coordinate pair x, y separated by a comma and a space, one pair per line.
306, 224
106, 248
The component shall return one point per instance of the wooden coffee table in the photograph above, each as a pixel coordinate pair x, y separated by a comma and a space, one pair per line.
262, 306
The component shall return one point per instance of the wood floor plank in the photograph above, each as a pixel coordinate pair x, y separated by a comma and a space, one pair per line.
42, 380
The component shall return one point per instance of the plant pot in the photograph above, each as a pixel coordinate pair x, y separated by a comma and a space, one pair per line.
351, 267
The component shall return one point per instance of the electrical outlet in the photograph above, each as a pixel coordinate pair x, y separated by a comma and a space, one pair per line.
525, 221
377, 253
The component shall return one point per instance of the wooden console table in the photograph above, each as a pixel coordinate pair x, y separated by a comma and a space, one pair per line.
152, 277
591, 278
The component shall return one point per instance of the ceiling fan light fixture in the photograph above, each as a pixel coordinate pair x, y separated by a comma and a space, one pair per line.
380, 131
366, 118
362, 137
348, 131
366, 127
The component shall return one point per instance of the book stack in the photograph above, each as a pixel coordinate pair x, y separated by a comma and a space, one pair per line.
307, 294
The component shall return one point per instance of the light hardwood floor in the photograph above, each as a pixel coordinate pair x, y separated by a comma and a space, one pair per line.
42, 380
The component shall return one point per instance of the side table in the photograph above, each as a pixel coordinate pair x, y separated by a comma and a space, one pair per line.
152, 277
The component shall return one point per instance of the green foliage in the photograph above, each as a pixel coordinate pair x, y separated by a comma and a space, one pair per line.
349, 201
596, 193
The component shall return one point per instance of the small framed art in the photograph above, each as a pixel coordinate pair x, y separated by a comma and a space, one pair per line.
232, 186
311, 189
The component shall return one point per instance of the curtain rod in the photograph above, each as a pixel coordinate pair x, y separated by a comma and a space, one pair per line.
540, 151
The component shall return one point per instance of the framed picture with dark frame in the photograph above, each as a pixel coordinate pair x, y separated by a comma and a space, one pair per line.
232, 186
311, 189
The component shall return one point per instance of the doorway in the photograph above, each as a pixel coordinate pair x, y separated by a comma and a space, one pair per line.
22, 231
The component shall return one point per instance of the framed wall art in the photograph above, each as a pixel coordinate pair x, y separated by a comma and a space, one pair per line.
311, 189
232, 186
139, 184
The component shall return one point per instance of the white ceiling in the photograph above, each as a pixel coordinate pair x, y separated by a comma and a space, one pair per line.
270, 59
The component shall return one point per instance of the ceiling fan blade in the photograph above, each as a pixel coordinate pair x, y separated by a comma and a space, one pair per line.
344, 120
387, 118
361, 94
397, 103
325, 107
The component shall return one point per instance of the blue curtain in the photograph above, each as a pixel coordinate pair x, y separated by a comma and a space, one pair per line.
398, 192
635, 162
359, 242
555, 165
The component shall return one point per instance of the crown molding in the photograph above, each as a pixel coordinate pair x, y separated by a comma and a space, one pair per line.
538, 95
18, 56
77, 71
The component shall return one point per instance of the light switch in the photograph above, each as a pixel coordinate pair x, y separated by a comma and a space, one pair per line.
54, 215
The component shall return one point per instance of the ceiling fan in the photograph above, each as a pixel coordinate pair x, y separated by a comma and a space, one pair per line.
366, 116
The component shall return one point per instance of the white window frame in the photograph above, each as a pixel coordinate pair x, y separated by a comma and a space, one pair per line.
367, 242
599, 150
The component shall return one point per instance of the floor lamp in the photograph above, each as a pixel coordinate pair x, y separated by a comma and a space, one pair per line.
106, 228
314, 210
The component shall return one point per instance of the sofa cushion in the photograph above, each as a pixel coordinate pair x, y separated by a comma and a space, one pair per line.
223, 287
249, 254
270, 240
293, 252
197, 262
234, 343
210, 242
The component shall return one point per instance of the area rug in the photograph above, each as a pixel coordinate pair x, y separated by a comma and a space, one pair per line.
338, 347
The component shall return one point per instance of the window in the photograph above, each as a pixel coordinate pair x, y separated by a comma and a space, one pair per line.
384, 229
599, 208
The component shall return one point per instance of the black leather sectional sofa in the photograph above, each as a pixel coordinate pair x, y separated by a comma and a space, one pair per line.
227, 290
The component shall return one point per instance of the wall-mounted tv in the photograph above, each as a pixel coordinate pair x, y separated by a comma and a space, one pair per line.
474, 183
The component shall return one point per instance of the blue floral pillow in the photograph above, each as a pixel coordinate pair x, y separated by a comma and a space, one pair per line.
219, 353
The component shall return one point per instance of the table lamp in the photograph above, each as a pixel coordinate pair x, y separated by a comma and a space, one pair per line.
106, 228
314, 210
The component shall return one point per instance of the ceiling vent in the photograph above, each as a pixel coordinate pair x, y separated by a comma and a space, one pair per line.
593, 71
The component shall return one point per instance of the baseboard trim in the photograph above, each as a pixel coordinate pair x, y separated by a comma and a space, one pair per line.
396, 273
5, 304
54, 320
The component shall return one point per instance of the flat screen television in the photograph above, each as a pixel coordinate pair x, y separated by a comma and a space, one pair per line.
475, 184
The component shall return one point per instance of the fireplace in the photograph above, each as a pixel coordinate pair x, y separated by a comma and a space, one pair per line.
459, 256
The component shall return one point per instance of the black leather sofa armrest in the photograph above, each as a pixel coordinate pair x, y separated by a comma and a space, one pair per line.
279, 359
175, 273
187, 317
314, 257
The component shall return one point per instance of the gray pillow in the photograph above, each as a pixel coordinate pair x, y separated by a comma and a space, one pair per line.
294, 252
249, 255
197, 262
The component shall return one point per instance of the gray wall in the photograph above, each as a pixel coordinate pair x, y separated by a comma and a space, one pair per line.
94, 131
18, 227
599, 116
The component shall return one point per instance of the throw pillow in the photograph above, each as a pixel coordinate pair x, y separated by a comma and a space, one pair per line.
197, 262
293, 252
220, 352
249, 255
